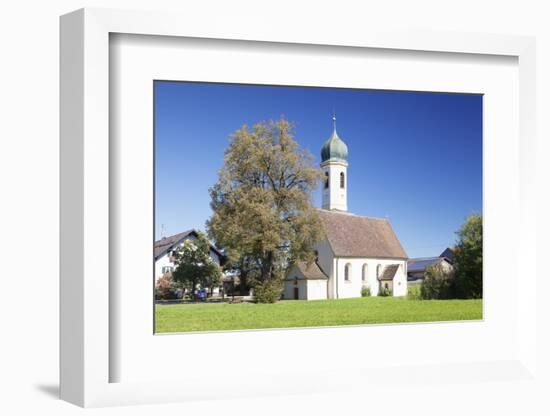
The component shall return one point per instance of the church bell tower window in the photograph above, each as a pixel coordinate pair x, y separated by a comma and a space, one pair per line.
342, 180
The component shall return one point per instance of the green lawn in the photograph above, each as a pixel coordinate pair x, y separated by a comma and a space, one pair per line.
295, 313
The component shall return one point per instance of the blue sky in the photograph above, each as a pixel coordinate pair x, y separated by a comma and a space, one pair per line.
414, 157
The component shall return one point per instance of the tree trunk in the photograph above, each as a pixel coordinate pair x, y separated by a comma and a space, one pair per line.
193, 288
267, 267
242, 283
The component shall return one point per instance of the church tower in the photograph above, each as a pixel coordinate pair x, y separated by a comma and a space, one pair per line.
334, 163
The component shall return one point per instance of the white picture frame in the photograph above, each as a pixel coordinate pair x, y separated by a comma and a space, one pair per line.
87, 356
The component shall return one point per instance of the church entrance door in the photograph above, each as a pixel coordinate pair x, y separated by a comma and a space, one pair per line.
296, 293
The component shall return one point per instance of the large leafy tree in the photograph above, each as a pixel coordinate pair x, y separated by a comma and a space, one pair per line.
468, 261
194, 266
262, 210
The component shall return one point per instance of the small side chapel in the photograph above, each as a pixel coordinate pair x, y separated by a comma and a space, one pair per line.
357, 251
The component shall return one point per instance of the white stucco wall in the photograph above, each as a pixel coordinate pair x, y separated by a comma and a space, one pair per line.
291, 283
326, 262
316, 289
335, 197
352, 288
160, 263
308, 289
400, 281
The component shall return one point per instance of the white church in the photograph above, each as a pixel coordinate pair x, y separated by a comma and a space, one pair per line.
357, 251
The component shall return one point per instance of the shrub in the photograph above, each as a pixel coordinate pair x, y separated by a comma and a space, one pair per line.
166, 287
268, 292
413, 292
385, 291
437, 284
365, 291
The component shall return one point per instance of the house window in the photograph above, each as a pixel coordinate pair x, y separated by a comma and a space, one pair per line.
385, 286
364, 272
167, 269
342, 180
347, 272
378, 270
326, 180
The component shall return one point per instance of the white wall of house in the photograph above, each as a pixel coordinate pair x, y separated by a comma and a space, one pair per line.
337, 287
326, 262
307, 289
294, 280
160, 264
316, 289
291, 285
352, 287
400, 281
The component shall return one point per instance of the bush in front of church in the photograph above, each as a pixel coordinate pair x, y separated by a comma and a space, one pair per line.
365, 292
385, 291
437, 284
268, 291
413, 292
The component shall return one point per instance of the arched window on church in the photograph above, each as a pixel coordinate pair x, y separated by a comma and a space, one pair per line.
347, 272
364, 273
342, 180
326, 180
378, 270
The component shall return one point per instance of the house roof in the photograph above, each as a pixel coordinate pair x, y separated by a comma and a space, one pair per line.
165, 244
421, 264
389, 272
449, 253
352, 235
311, 271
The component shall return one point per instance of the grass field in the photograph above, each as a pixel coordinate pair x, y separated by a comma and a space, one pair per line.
295, 313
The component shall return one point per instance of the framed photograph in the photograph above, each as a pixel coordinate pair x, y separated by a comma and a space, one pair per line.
252, 225
291, 212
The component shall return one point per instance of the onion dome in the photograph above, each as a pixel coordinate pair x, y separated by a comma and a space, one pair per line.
334, 149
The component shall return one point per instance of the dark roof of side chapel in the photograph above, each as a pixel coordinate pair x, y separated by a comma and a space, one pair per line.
389, 272
352, 235
311, 271
165, 244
